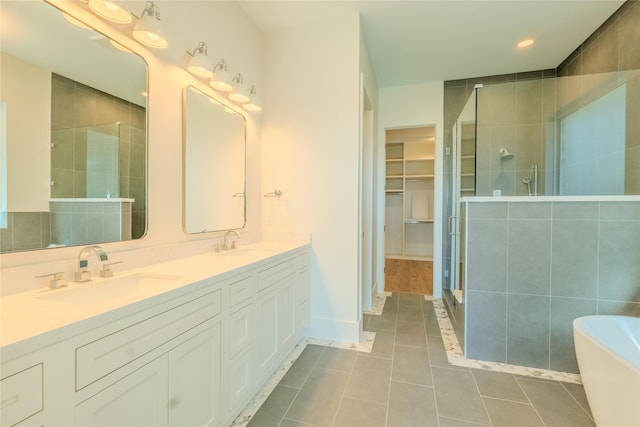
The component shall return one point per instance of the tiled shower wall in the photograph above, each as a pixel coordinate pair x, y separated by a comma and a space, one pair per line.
532, 268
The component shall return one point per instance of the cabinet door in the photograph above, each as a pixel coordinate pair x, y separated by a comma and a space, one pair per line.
240, 380
195, 380
267, 330
139, 399
286, 312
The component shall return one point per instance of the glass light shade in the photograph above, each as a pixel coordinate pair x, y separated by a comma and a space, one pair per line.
199, 65
111, 10
76, 22
238, 96
148, 32
253, 104
220, 79
239, 93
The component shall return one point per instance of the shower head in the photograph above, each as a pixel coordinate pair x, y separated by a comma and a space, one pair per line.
505, 155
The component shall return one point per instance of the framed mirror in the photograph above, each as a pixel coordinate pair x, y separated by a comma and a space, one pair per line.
214, 164
74, 133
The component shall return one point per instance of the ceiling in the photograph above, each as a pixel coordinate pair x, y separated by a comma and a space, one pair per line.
412, 42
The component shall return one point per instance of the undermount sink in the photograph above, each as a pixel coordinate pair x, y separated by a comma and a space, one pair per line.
102, 289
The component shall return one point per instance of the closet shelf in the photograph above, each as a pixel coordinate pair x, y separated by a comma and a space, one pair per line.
418, 221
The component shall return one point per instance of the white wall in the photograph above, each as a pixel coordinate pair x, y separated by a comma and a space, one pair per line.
310, 149
226, 29
26, 89
411, 106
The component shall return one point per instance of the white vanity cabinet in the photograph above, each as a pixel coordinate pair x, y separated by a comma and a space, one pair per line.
193, 359
179, 382
21, 395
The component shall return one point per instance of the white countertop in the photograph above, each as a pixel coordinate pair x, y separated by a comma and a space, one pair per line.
34, 319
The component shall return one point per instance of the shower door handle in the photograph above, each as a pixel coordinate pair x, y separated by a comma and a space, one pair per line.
453, 225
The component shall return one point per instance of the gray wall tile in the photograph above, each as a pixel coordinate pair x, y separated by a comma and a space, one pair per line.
619, 261
576, 210
487, 255
528, 330
574, 254
619, 308
563, 312
488, 210
486, 335
529, 210
529, 262
620, 211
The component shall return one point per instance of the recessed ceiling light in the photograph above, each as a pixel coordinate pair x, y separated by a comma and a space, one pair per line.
525, 43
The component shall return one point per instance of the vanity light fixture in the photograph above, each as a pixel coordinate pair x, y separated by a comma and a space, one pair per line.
148, 29
220, 79
525, 43
253, 105
111, 10
199, 64
75, 21
238, 93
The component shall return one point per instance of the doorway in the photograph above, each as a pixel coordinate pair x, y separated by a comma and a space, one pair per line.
409, 213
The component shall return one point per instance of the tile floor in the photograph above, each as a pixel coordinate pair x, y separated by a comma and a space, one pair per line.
406, 380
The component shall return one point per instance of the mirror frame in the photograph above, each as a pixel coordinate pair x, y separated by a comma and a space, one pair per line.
99, 36
185, 130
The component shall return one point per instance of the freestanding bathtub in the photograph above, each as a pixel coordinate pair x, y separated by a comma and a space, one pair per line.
608, 353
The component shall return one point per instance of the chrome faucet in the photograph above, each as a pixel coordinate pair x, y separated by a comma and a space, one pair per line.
225, 246
83, 274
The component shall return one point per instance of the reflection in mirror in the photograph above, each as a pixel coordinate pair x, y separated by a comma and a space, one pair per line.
73, 167
214, 164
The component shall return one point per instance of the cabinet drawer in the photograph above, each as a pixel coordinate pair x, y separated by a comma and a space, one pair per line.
20, 395
302, 287
275, 274
241, 329
105, 355
303, 261
240, 291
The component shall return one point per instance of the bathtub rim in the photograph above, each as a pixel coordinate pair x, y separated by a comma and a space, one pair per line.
584, 331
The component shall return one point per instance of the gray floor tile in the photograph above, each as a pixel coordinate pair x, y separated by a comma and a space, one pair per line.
291, 423
411, 406
409, 300
369, 380
412, 334
411, 365
318, 399
555, 405
298, 372
437, 353
383, 344
274, 408
577, 391
451, 422
337, 359
431, 323
457, 395
499, 385
411, 314
382, 323
355, 413
504, 413
412, 386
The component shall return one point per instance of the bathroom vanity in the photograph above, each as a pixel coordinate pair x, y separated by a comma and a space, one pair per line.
184, 342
